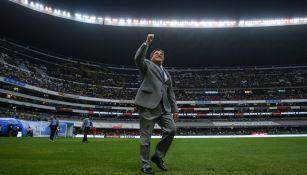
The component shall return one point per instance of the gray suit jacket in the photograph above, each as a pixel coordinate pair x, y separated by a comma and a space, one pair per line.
153, 89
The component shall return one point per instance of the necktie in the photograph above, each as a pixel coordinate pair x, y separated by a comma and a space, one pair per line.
162, 74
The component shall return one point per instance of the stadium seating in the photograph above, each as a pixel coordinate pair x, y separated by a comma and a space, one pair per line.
34, 82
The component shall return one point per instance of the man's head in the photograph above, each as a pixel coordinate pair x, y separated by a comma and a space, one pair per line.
157, 56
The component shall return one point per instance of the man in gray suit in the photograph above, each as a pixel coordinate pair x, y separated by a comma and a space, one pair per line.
156, 103
86, 127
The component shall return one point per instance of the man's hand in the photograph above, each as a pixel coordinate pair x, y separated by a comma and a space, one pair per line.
149, 38
176, 117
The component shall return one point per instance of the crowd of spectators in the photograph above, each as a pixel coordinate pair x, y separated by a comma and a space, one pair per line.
23, 114
210, 131
110, 83
117, 82
242, 131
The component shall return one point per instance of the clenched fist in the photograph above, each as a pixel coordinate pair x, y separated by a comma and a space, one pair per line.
149, 38
176, 117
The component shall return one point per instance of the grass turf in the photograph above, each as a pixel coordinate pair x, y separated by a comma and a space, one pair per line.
256, 156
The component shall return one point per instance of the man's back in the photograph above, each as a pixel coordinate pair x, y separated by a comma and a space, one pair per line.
86, 123
54, 122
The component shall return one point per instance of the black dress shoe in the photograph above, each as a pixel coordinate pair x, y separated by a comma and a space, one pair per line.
159, 162
147, 171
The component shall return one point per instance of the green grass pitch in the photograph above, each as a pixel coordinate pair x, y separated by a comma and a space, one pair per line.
244, 156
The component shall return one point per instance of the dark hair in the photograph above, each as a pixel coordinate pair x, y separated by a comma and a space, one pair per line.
151, 54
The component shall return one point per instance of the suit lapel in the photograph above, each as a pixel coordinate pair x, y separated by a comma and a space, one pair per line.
156, 70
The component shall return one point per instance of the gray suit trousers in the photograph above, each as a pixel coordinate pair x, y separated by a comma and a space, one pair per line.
148, 119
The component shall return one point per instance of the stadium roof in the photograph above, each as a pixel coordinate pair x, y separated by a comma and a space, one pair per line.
155, 22
197, 46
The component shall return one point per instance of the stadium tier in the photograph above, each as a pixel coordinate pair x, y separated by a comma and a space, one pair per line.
35, 83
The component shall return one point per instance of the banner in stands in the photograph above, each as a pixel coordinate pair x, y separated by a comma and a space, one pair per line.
269, 123
15, 82
273, 101
128, 136
202, 102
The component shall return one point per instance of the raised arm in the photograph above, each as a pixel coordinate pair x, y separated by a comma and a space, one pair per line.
139, 57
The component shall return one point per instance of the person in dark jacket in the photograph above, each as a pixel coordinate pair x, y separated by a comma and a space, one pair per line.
54, 124
87, 126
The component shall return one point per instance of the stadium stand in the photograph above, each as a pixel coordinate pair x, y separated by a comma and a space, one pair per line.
34, 83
